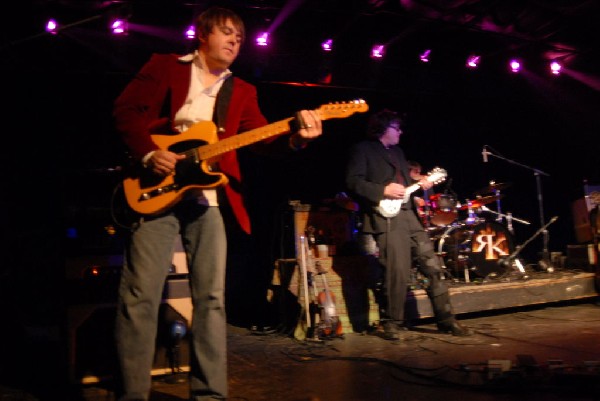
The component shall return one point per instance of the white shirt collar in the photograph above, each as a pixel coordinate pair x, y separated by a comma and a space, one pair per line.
188, 58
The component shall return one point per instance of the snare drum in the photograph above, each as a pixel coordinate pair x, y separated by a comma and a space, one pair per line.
443, 209
479, 248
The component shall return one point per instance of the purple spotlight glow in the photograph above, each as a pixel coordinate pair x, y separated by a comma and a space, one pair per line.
424, 57
515, 65
327, 45
119, 27
473, 61
190, 32
377, 51
52, 26
555, 67
262, 39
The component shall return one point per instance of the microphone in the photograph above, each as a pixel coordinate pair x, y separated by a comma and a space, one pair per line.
484, 153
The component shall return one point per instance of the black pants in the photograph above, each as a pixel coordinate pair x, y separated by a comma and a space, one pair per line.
391, 266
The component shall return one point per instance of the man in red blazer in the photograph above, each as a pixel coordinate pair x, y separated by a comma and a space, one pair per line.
169, 95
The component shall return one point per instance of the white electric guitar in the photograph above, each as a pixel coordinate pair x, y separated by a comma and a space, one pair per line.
391, 207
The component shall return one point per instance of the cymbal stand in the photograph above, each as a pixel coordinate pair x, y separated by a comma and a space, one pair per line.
499, 215
545, 262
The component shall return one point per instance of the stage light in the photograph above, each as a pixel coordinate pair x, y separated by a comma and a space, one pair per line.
190, 32
377, 51
52, 26
424, 57
515, 65
327, 45
262, 39
555, 67
473, 61
119, 26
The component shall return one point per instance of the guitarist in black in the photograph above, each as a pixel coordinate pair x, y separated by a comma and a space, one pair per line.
171, 95
377, 169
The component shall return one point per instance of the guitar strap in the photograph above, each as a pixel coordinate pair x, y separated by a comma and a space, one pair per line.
222, 104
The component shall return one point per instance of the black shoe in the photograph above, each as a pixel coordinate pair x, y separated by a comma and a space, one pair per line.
389, 330
455, 328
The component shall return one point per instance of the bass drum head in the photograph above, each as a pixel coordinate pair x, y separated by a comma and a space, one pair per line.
454, 246
478, 249
490, 243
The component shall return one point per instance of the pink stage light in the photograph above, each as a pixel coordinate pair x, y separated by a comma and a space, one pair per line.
52, 26
262, 39
515, 65
190, 32
377, 51
473, 61
327, 45
119, 27
555, 67
424, 57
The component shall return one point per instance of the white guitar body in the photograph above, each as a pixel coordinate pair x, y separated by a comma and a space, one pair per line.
391, 207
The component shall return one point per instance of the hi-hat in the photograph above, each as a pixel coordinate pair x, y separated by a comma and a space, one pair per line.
477, 203
493, 187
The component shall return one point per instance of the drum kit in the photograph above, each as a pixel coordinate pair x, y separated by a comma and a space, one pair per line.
470, 244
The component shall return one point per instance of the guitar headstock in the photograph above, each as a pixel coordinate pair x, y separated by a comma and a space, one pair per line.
437, 175
342, 109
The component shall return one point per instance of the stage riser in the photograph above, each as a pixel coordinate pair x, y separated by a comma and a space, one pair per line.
469, 298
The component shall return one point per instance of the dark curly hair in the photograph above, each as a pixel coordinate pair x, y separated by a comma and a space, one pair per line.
380, 121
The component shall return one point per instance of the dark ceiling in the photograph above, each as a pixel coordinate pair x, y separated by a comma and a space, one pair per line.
537, 30
534, 119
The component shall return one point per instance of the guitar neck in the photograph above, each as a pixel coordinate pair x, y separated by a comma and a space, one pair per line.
247, 138
409, 190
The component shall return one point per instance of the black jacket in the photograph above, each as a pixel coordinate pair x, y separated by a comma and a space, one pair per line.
368, 171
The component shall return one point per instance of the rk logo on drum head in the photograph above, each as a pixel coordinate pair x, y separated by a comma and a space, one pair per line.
478, 249
490, 243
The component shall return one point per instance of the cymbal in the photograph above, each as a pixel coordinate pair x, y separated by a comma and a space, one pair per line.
493, 187
478, 202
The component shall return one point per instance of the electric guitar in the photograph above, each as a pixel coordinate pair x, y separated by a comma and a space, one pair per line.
147, 193
391, 207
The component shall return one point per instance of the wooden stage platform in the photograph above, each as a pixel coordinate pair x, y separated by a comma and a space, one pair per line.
513, 291
347, 278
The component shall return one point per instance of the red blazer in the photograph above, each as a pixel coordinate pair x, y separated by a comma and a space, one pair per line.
148, 105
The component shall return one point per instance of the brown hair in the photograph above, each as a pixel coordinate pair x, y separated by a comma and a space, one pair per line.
214, 16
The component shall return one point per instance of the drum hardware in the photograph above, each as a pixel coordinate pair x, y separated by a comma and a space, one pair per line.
507, 216
492, 188
537, 173
477, 203
512, 258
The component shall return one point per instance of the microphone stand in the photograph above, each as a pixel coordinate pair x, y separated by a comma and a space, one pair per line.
537, 172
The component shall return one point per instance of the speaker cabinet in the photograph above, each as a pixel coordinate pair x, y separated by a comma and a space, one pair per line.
91, 342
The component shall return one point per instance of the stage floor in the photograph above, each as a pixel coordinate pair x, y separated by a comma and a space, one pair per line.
535, 339
544, 352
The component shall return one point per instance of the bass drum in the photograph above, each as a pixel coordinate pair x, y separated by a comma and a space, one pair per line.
479, 249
